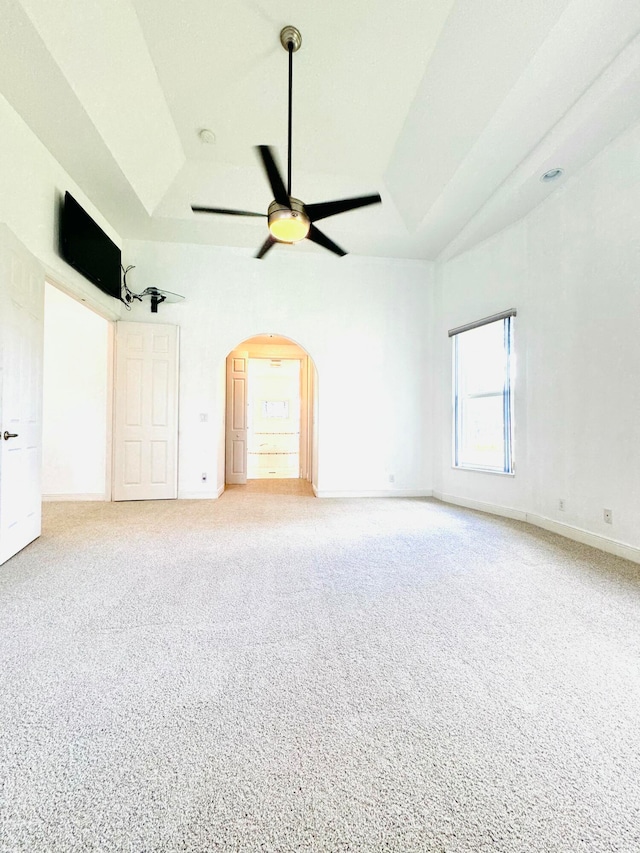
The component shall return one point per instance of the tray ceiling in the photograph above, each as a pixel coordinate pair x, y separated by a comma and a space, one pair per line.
450, 109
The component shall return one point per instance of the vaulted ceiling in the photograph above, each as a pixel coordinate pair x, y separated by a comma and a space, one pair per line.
451, 109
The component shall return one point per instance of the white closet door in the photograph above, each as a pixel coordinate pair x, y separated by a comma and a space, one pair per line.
21, 343
146, 412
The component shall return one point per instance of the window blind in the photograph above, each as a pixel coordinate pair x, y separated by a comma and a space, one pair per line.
511, 312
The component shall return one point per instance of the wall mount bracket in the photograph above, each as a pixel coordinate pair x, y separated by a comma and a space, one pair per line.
156, 295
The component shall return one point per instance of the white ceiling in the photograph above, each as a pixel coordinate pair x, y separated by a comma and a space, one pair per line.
451, 109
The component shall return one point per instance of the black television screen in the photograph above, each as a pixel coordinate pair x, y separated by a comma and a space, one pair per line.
87, 248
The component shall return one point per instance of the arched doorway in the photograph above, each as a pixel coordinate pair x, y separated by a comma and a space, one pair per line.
271, 401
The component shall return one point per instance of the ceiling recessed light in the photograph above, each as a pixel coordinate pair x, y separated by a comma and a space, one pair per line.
552, 175
207, 136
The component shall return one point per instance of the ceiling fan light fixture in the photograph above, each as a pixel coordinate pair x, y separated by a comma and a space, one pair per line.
288, 224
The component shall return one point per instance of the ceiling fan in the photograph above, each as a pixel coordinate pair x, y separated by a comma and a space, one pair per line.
291, 220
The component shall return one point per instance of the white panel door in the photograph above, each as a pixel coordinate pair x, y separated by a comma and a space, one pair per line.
237, 397
21, 344
145, 447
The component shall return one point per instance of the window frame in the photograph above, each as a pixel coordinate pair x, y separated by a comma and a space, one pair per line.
508, 467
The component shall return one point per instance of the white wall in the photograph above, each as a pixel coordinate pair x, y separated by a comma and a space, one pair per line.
313, 384
76, 402
33, 184
571, 270
365, 324
363, 321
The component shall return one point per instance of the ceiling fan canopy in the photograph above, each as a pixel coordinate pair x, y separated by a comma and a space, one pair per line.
289, 219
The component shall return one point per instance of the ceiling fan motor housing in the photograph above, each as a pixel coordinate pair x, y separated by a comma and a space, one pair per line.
288, 224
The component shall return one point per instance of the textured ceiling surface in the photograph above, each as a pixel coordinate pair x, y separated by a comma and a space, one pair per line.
451, 109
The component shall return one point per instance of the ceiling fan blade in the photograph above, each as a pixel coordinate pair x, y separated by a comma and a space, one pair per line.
225, 210
273, 174
268, 243
330, 208
316, 236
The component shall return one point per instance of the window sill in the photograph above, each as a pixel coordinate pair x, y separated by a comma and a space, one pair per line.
483, 470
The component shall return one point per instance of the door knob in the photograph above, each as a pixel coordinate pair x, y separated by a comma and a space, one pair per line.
8, 435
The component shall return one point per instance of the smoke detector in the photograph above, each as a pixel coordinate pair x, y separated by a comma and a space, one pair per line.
207, 136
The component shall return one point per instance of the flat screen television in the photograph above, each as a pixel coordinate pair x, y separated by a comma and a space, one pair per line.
87, 248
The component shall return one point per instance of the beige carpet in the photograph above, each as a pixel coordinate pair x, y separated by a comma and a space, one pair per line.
272, 672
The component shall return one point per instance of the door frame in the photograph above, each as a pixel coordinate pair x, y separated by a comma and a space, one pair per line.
288, 350
111, 317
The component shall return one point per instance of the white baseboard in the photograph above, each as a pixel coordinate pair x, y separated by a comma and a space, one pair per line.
611, 546
90, 496
577, 534
492, 509
374, 493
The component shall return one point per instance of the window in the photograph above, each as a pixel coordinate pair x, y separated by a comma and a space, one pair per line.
482, 394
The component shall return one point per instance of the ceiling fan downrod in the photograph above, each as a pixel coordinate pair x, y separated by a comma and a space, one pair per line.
289, 219
291, 41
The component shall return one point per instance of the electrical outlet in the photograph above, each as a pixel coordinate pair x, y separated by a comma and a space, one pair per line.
608, 516
392, 478
204, 476
561, 504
